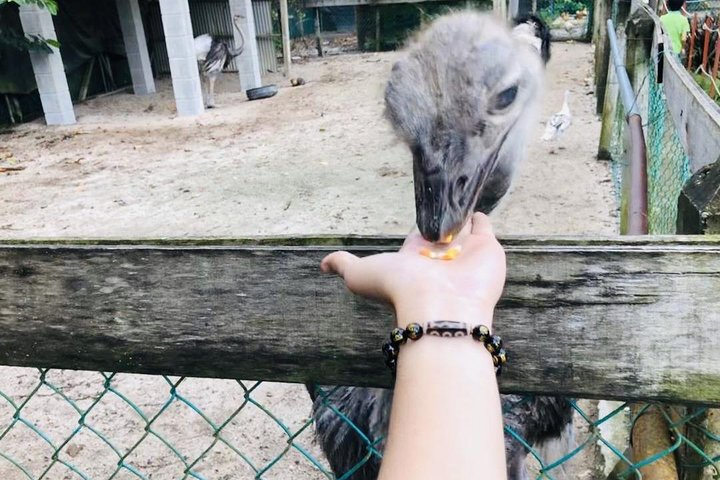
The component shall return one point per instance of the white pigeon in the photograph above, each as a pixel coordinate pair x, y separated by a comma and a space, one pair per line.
559, 122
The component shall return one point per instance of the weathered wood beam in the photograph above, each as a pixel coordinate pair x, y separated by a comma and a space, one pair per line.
699, 202
625, 318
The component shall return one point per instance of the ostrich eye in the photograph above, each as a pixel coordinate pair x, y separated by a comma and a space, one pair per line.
506, 98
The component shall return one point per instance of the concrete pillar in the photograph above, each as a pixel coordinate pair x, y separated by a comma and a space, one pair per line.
136, 46
48, 68
248, 62
181, 53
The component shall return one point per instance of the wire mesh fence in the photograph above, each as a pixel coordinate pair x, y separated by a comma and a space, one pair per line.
702, 6
668, 166
100, 425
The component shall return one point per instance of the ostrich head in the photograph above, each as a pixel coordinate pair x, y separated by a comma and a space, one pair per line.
462, 98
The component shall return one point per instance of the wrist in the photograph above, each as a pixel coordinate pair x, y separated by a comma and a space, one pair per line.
472, 313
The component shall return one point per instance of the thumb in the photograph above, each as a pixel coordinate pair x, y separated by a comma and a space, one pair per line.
338, 262
481, 224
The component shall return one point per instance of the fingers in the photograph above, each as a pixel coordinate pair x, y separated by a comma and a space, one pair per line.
482, 240
481, 224
363, 276
338, 262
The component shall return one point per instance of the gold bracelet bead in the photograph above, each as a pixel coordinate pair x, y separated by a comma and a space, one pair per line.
481, 333
397, 336
494, 344
414, 331
500, 358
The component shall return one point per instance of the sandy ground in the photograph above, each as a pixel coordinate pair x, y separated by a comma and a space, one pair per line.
314, 159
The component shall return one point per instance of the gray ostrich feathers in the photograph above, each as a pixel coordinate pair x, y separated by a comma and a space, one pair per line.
213, 55
463, 98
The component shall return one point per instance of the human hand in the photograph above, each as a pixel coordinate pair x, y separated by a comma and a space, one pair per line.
423, 289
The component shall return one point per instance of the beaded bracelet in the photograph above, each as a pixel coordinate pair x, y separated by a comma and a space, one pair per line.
443, 328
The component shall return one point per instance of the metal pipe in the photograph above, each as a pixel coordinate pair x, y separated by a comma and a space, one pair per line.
626, 90
637, 206
637, 202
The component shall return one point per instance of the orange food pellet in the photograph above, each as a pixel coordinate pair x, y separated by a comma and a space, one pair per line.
449, 254
426, 252
447, 239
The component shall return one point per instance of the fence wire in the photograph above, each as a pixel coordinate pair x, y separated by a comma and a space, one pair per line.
668, 166
93, 425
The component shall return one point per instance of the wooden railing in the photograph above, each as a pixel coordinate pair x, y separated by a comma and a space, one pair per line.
625, 318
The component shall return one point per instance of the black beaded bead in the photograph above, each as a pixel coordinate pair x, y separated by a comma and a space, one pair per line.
493, 344
397, 336
389, 350
391, 364
414, 331
480, 333
498, 370
501, 355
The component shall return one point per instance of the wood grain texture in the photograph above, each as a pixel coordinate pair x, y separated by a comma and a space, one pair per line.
626, 318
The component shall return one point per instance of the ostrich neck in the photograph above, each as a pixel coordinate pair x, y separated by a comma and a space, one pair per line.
240, 49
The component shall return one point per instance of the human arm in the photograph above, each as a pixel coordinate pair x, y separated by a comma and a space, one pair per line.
446, 420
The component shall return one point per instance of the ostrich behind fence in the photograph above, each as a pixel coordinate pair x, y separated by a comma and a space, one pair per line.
463, 99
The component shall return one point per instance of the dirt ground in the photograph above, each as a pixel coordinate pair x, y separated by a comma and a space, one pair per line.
314, 159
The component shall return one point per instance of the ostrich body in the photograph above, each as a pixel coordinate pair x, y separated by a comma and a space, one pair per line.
463, 99
213, 55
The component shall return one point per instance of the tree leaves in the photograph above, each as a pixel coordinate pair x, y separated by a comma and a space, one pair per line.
50, 5
30, 42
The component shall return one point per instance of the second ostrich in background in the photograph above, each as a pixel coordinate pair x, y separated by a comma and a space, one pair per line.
463, 99
213, 55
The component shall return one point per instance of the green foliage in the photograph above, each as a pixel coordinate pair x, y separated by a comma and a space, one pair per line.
50, 5
29, 42
707, 85
558, 7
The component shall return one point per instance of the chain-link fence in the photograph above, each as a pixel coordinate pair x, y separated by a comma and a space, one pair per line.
668, 166
702, 6
59, 424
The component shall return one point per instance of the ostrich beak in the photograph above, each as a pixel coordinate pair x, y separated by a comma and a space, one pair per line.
445, 198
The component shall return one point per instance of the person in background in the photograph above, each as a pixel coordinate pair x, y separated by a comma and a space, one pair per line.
675, 25
446, 421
